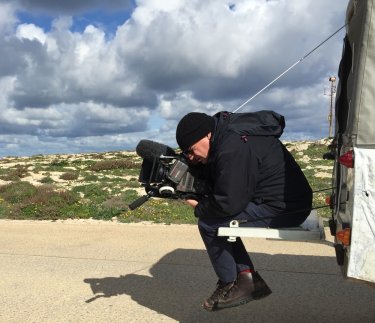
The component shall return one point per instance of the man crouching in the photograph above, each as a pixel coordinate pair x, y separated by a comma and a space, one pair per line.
253, 179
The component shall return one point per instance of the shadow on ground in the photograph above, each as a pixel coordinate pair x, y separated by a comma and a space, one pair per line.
305, 289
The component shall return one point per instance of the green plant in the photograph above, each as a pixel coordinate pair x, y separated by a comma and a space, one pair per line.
69, 176
47, 180
47, 202
17, 192
91, 178
59, 163
133, 182
3, 209
94, 192
320, 186
10, 177
14, 174
157, 210
107, 185
114, 164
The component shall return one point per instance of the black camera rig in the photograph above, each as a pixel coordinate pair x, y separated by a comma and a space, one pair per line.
166, 174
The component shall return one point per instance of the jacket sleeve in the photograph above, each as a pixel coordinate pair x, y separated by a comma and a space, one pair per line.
234, 180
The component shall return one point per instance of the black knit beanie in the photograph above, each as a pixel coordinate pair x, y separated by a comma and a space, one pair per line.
192, 128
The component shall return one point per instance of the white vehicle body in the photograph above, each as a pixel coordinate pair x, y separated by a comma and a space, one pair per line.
353, 147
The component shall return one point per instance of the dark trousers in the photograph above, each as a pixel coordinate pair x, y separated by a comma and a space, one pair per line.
229, 258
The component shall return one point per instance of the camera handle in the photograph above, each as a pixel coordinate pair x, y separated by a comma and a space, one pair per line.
138, 202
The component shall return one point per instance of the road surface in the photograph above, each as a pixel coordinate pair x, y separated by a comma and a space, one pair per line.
96, 271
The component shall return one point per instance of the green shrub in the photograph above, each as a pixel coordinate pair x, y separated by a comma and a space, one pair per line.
10, 177
15, 174
116, 202
114, 164
46, 203
94, 192
91, 178
161, 211
47, 180
59, 163
101, 193
132, 183
49, 194
3, 210
69, 176
21, 170
17, 192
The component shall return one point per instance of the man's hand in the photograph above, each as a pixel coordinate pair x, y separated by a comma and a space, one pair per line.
192, 203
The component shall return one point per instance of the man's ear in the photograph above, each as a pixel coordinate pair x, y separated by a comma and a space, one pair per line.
209, 136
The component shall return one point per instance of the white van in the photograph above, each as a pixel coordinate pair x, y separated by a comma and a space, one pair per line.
353, 146
353, 150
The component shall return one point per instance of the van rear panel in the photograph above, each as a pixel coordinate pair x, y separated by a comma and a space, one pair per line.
362, 248
354, 179
361, 79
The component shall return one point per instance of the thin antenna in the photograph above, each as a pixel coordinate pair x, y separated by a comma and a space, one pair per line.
288, 69
331, 93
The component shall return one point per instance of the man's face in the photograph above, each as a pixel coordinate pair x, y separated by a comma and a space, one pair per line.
198, 153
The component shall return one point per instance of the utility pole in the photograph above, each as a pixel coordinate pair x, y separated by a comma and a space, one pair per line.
331, 94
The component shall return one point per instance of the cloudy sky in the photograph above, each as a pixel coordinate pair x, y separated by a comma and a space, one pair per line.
91, 75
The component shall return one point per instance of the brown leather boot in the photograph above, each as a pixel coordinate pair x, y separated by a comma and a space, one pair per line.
253, 281
249, 286
222, 289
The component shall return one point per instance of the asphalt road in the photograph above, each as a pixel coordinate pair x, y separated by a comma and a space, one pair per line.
92, 271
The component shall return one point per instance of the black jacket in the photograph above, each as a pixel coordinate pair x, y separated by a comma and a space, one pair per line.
258, 169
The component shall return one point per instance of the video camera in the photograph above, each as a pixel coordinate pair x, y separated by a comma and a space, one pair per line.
166, 174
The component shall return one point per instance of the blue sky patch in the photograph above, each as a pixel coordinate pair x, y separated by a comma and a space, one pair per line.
108, 21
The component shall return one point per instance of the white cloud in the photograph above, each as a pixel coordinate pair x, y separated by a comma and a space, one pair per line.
7, 18
169, 58
68, 6
31, 32
6, 87
173, 107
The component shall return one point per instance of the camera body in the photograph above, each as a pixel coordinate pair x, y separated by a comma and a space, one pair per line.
172, 177
165, 174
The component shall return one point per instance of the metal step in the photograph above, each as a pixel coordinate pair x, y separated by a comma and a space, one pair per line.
311, 229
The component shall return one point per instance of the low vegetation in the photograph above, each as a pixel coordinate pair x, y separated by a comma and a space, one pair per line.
102, 185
